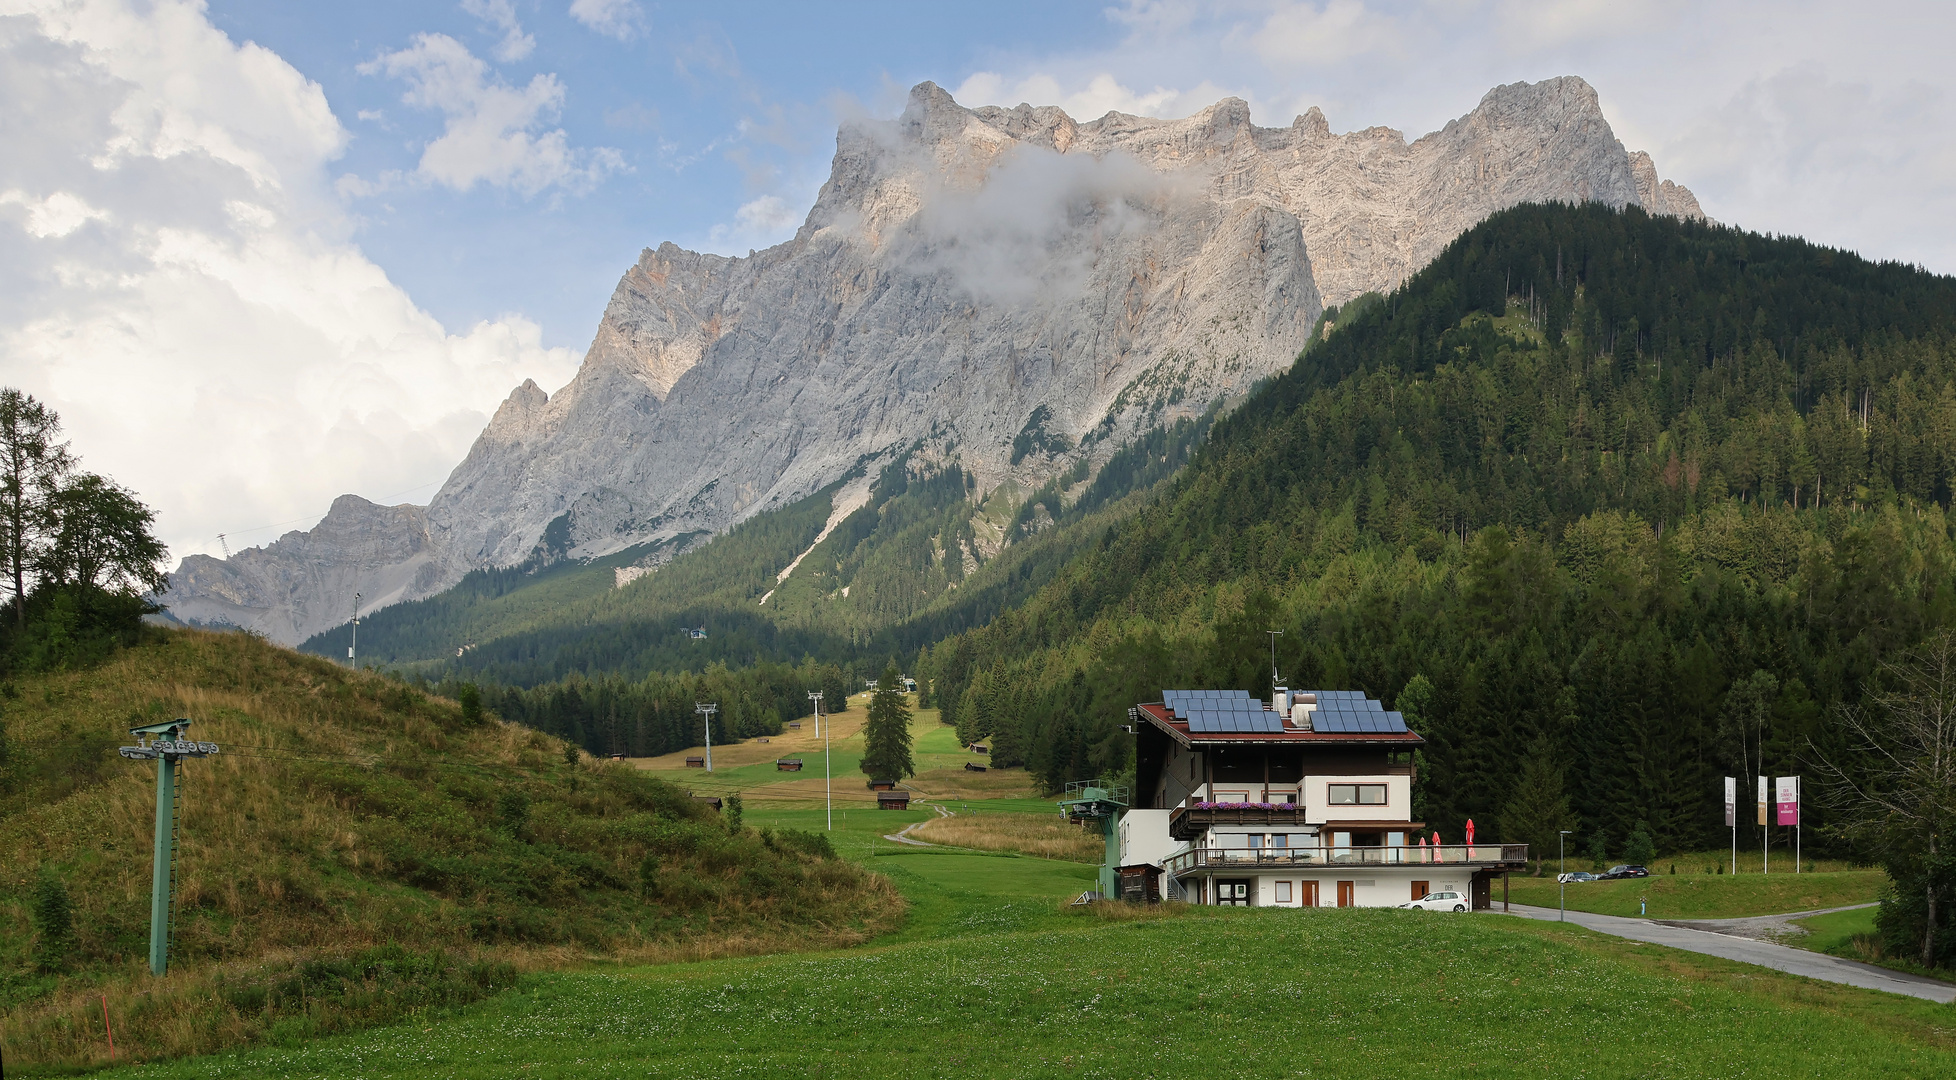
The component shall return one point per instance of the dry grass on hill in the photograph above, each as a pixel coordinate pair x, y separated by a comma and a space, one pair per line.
1028, 834
357, 852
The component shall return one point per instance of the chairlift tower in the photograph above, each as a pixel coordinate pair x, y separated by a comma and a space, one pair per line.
169, 749
1102, 801
706, 711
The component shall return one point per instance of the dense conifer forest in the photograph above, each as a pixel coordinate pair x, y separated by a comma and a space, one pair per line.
1613, 502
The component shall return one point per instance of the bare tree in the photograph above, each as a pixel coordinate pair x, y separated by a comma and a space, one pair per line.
1897, 792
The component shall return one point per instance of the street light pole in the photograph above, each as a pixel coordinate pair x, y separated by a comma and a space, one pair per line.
1561, 869
828, 786
706, 712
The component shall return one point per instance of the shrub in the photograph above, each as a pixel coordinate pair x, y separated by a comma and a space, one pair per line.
54, 922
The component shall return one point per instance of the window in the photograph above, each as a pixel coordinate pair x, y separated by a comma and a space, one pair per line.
1280, 840
1283, 892
1357, 795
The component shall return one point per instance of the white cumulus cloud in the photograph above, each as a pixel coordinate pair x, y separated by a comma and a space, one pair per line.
178, 280
613, 18
493, 130
501, 15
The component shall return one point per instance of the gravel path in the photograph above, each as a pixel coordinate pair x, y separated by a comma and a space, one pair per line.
1748, 950
1778, 929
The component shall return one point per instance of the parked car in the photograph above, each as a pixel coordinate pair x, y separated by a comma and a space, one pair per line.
1576, 875
1439, 901
1615, 873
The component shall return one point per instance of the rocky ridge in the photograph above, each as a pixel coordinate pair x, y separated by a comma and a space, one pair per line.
964, 273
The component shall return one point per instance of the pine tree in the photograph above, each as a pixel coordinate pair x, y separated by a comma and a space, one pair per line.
886, 732
1538, 809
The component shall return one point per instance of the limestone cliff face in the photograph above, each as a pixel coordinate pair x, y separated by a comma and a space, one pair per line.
960, 270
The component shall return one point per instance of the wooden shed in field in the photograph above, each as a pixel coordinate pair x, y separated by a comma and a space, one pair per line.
882, 785
787, 764
696, 763
894, 799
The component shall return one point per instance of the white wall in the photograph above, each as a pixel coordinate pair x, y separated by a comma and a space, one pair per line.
1373, 887
1398, 805
1144, 837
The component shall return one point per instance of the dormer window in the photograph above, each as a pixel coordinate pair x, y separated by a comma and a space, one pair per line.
1357, 795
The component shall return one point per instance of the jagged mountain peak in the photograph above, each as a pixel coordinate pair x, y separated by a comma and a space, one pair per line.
965, 275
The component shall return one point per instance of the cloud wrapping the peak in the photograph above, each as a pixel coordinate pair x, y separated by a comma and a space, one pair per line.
492, 129
181, 285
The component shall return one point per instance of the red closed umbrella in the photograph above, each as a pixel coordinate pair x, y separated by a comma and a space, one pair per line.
1436, 845
1470, 830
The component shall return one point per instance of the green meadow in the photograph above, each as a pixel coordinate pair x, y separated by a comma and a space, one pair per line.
993, 975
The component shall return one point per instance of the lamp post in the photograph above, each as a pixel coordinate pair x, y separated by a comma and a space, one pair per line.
1561, 885
352, 660
828, 787
706, 712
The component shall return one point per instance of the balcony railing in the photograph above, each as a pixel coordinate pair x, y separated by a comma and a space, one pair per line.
1189, 822
1476, 855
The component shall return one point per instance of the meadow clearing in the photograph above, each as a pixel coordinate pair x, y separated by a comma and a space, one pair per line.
993, 975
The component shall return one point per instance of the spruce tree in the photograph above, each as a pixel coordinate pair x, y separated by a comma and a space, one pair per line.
1538, 809
886, 733
1640, 850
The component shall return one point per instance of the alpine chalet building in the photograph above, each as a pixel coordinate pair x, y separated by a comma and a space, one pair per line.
1304, 801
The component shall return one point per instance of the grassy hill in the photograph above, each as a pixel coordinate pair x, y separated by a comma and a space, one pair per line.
358, 851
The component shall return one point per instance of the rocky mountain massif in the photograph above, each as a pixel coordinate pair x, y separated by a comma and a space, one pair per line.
1007, 288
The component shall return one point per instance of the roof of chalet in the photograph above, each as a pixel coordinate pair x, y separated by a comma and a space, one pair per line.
1223, 717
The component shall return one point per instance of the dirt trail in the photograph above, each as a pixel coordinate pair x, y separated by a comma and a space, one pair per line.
902, 836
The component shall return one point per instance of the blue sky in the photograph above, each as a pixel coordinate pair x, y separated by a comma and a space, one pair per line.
262, 254
709, 108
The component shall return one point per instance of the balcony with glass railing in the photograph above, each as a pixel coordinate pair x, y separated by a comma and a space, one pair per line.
1474, 856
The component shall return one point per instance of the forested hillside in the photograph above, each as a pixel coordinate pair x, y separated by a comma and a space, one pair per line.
920, 558
1589, 498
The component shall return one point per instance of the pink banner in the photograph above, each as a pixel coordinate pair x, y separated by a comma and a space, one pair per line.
1786, 800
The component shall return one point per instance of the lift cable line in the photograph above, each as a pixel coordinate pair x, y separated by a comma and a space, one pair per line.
169, 749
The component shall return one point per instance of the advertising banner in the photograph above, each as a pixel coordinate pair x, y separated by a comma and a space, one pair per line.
1787, 800
1731, 801
1762, 800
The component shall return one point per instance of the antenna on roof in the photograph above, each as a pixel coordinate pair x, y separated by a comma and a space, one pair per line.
1276, 680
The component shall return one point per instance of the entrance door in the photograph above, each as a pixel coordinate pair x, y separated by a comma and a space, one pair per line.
1345, 897
1419, 890
1307, 894
1233, 893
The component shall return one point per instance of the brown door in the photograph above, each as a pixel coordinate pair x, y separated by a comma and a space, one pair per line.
1307, 893
1419, 889
1345, 898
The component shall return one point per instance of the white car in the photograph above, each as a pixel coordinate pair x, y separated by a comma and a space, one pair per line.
1440, 901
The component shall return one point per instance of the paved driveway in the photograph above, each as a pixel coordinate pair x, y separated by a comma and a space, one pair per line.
1813, 965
